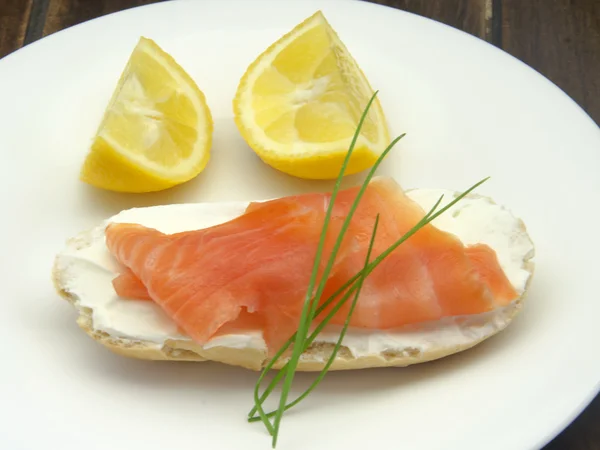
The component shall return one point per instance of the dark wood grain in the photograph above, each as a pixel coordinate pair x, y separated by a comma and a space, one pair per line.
14, 15
65, 13
472, 16
583, 433
560, 39
37, 19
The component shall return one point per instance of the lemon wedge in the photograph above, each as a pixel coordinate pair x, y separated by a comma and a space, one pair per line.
299, 103
156, 131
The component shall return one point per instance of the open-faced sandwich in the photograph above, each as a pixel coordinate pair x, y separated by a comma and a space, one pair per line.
227, 281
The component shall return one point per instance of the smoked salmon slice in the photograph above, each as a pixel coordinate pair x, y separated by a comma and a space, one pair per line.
130, 286
255, 269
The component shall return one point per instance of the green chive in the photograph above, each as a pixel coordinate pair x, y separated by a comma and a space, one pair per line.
308, 307
343, 331
300, 340
309, 301
430, 216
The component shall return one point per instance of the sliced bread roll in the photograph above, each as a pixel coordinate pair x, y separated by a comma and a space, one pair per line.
84, 270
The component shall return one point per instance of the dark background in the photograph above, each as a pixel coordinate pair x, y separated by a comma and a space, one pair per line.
559, 38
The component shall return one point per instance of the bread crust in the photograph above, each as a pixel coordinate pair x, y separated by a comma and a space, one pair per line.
313, 359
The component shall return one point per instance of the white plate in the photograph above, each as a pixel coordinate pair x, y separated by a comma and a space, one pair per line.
469, 111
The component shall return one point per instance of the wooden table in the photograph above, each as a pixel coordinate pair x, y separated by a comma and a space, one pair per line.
559, 38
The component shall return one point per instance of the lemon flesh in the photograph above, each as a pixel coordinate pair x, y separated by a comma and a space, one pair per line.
299, 103
156, 131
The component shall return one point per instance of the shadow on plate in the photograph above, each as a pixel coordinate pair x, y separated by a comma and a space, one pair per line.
234, 172
273, 184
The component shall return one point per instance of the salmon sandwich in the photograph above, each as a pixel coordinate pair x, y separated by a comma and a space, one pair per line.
387, 283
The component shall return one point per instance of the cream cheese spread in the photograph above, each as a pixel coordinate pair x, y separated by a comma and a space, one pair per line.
88, 269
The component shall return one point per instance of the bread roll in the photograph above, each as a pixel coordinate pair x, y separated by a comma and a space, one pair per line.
83, 271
